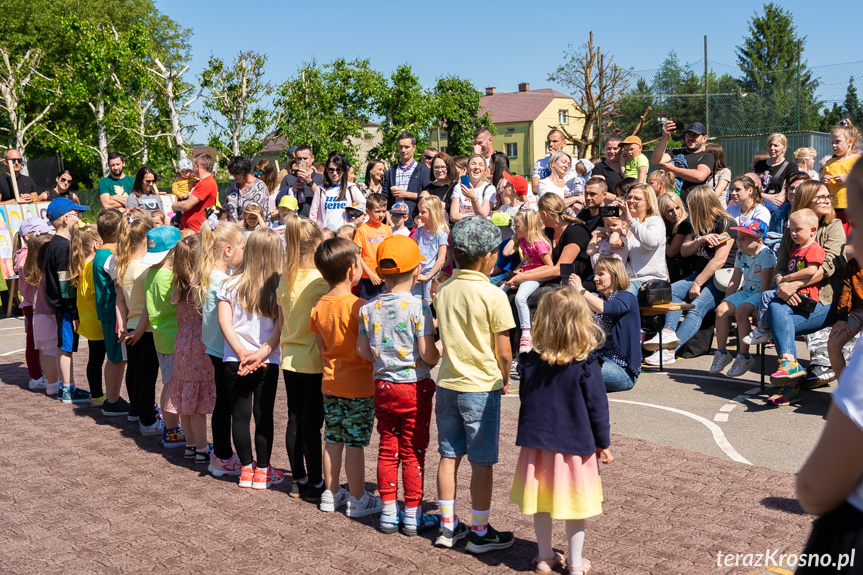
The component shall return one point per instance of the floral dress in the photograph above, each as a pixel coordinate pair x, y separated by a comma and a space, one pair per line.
193, 387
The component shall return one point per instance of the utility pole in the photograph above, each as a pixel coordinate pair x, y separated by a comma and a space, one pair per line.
599, 110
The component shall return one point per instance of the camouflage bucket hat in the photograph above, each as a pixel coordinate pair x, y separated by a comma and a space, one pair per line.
475, 236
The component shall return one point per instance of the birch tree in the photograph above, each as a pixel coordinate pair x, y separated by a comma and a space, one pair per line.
179, 97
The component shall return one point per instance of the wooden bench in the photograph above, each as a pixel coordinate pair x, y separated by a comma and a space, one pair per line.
662, 309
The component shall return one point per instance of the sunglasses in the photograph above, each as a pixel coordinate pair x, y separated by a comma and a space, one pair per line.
145, 181
16, 160
427, 157
66, 180
259, 173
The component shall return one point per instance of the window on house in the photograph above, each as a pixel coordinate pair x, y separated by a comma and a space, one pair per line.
563, 117
512, 150
510, 130
443, 135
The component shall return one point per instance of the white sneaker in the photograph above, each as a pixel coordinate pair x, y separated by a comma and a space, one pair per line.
669, 341
741, 365
329, 502
37, 383
52, 388
720, 361
758, 336
368, 505
667, 358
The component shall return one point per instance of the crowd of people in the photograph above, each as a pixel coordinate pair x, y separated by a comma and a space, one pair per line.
357, 290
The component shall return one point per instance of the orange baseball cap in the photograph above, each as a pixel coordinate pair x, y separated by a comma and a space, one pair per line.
401, 250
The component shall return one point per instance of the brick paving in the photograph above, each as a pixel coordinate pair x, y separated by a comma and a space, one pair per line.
83, 493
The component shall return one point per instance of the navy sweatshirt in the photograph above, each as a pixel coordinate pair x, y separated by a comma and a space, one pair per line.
61, 294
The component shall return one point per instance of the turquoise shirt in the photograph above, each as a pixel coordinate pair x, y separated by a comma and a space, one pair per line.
211, 333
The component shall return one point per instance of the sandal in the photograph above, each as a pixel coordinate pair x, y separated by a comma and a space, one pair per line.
189, 452
541, 565
584, 568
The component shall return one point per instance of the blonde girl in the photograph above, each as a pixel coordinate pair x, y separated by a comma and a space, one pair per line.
192, 389
845, 139
300, 289
133, 325
219, 250
44, 316
432, 237
81, 266
535, 250
557, 474
251, 321
30, 228
677, 228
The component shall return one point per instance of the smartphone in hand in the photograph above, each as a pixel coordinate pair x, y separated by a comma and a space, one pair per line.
465, 181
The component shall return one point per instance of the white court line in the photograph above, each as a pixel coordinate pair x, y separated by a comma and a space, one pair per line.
715, 430
720, 417
11, 352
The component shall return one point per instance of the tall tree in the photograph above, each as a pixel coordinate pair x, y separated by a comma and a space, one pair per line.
852, 108
329, 107
404, 106
457, 109
233, 104
768, 60
600, 83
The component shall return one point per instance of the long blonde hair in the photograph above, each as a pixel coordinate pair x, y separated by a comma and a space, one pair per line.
564, 327
132, 233
554, 206
257, 279
672, 198
80, 250
437, 219
35, 261
183, 267
705, 210
532, 225
210, 247
302, 238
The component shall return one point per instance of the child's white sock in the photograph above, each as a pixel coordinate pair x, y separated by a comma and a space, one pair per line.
479, 521
447, 514
391, 508
412, 512
525, 331
64, 385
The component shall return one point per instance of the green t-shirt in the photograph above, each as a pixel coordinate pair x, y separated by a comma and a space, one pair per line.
163, 314
639, 161
112, 187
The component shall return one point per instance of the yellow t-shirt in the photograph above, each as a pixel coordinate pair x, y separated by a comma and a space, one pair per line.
470, 312
835, 167
133, 286
346, 374
369, 237
90, 326
300, 353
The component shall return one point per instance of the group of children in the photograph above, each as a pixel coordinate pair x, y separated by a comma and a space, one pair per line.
235, 309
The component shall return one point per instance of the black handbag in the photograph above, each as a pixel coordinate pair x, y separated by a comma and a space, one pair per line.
653, 292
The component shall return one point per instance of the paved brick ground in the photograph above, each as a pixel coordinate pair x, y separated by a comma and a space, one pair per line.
86, 494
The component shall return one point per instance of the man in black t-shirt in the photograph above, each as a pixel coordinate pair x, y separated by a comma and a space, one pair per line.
594, 197
699, 164
26, 185
609, 168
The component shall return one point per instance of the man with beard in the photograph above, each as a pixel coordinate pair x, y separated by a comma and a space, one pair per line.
115, 187
611, 168
698, 163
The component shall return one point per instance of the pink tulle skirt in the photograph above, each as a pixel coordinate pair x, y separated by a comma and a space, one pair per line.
566, 486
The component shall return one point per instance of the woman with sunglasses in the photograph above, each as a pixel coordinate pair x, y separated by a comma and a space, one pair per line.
145, 193
62, 189
336, 193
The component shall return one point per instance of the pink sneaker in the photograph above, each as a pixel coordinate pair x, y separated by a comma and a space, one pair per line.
266, 476
219, 467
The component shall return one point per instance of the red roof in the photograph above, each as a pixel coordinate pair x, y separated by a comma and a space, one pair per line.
512, 107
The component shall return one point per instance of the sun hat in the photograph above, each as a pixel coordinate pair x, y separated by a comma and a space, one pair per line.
159, 242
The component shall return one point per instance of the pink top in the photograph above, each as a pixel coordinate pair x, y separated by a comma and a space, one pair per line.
40, 299
25, 290
532, 253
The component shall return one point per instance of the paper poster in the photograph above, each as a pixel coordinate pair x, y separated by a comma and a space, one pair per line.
168, 201
29, 211
42, 210
6, 266
6, 250
12, 217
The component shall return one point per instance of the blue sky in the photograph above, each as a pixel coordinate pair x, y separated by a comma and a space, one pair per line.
498, 44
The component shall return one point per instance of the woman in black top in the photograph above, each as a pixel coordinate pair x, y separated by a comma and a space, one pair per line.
62, 189
773, 171
444, 176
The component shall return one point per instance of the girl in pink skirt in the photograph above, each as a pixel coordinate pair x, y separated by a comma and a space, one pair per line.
561, 382
192, 391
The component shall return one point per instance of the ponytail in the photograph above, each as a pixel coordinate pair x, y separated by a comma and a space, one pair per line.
133, 231
210, 243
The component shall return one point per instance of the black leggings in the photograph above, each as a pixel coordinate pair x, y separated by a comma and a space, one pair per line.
305, 419
221, 420
94, 367
141, 375
252, 394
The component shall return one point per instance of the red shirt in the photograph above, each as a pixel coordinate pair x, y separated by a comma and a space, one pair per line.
800, 259
205, 190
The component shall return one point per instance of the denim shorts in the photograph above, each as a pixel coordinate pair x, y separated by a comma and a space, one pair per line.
67, 337
468, 423
741, 297
348, 420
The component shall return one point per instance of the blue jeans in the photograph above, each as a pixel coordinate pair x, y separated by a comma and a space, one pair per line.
525, 290
786, 323
616, 378
707, 301
634, 286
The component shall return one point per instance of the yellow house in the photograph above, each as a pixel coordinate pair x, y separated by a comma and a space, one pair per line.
522, 121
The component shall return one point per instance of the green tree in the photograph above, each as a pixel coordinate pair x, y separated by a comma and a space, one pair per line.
233, 104
768, 61
457, 109
329, 107
831, 117
404, 106
636, 113
852, 107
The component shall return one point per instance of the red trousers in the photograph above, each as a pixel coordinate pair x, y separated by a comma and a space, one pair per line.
404, 413
31, 355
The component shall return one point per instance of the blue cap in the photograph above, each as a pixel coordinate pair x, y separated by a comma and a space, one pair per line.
160, 241
61, 206
753, 228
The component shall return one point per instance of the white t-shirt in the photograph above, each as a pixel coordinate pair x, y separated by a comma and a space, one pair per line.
542, 171
759, 213
485, 192
848, 397
546, 186
253, 330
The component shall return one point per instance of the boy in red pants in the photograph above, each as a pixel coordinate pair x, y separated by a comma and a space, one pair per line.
397, 334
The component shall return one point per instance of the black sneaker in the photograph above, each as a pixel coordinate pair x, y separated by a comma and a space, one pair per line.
298, 489
491, 541
132, 414
118, 408
818, 376
448, 537
314, 492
